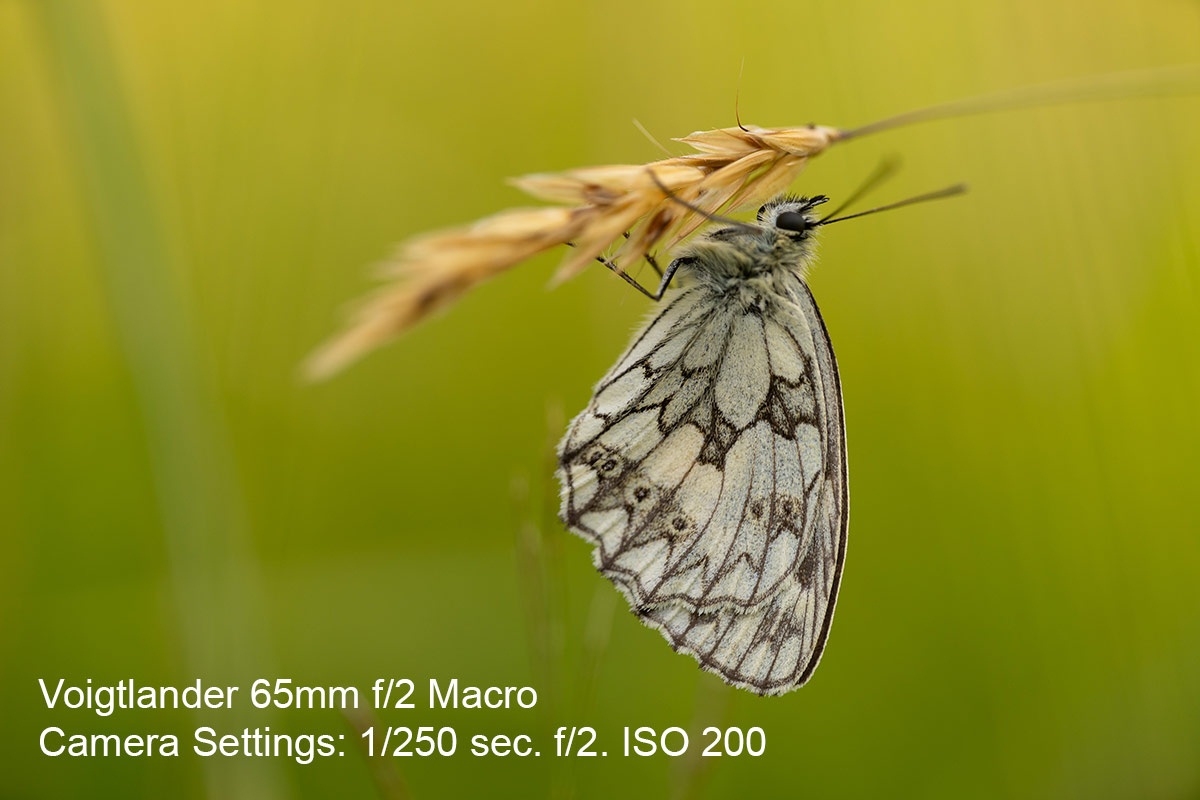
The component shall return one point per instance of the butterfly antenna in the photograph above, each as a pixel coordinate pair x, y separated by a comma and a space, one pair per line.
885, 170
949, 191
662, 187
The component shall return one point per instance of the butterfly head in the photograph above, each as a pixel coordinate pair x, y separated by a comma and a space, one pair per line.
792, 216
756, 261
786, 223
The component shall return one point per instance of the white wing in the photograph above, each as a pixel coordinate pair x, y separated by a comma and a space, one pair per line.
709, 472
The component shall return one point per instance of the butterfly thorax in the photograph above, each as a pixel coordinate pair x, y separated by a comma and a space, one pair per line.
754, 269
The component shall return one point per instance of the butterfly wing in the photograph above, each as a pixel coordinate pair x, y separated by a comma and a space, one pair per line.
709, 471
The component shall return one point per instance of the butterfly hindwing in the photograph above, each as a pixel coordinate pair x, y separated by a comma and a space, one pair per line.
709, 472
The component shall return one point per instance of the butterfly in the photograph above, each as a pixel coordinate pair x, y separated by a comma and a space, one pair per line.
709, 468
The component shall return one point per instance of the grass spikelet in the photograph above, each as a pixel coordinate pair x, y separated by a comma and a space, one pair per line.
598, 207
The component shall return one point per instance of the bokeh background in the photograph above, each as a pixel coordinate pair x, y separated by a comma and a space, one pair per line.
190, 193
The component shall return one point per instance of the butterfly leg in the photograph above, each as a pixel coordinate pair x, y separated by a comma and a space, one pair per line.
627, 278
665, 283
653, 262
649, 257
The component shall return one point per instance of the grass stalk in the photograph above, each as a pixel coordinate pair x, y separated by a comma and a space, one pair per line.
213, 575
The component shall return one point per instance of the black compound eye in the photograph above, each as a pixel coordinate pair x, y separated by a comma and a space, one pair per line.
792, 221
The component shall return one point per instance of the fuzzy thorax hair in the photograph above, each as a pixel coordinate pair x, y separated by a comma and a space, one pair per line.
752, 262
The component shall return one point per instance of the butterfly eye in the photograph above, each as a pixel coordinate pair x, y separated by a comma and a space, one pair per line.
792, 221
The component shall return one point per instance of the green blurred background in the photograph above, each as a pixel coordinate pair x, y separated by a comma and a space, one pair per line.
189, 193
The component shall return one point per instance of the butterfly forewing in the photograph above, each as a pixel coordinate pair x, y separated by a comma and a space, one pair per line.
709, 472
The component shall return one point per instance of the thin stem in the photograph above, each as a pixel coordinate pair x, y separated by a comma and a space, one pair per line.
1115, 85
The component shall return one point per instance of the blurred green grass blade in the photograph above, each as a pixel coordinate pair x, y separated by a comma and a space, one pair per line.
203, 520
